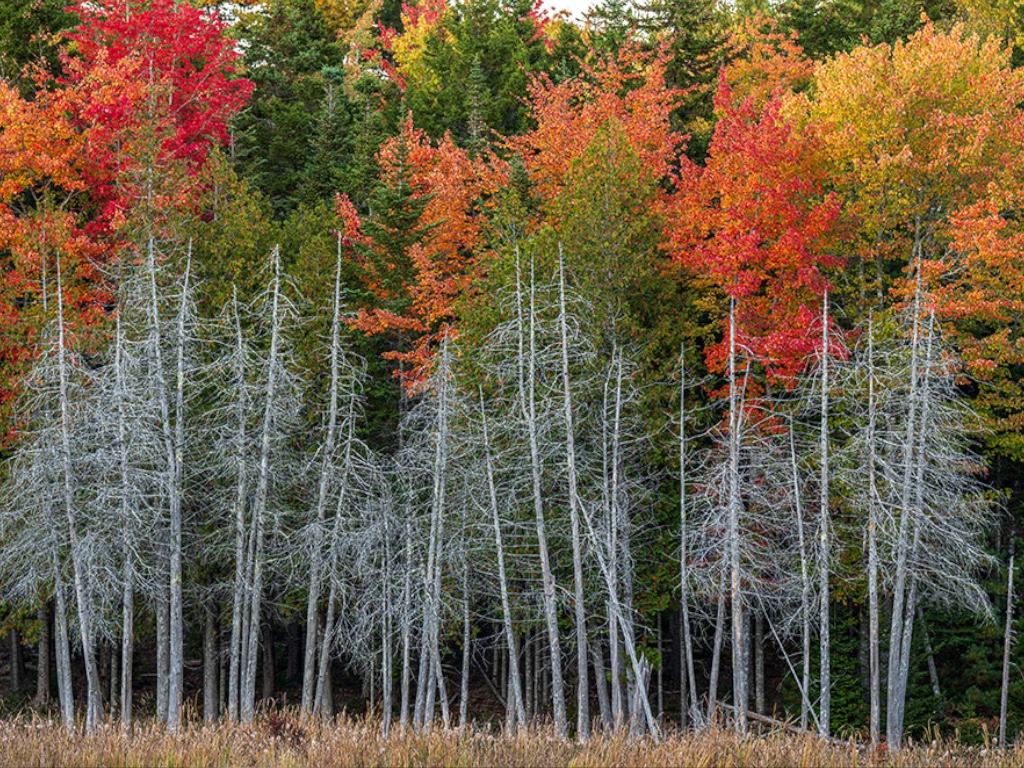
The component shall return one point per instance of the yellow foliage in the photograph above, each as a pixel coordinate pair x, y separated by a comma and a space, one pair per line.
1001, 19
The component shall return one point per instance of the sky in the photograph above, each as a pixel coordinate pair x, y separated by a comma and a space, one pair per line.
576, 8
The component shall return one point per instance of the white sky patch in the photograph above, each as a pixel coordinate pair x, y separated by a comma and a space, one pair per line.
576, 8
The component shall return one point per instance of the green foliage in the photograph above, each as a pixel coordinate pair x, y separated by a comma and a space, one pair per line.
827, 27
283, 136
231, 238
27, 29
500, 41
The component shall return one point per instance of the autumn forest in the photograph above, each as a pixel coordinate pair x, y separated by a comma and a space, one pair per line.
462, 364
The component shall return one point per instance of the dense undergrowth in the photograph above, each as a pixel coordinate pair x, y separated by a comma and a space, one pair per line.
290, 740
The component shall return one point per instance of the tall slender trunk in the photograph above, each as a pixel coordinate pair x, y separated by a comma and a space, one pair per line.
929, 656
759, 681
241, 496
210, 653
42, 698
739, 667
1007, 649
516, 698
805, 589
467, 640
162, 646
527, 368
387, 660
94, 710
582, 688
603, 703
688, 678
406, 630
716, 651
175, 687
900, 616
326, 467
261, 498
62, 646
874, 641
824, 539
323, 681
127, 544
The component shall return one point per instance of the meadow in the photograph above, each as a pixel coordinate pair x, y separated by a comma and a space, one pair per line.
285, 740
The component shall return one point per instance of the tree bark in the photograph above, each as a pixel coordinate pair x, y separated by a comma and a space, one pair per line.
527, 385
1007, 650
210, 665
739, 667
582, 690
824, 539
326, 471
43, 662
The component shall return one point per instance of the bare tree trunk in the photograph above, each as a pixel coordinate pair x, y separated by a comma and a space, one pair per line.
739, 667
759, 683
210, 653
17, 666
824, 539
175, 688
113, 694
406, 631
238, 620
929, 655
269, 665
467, 640
387, 677
162, 661
62, 648
1007, 649
516, 698
527, 383
43, 662
687, 676
900, 614
716, 651
94, 710
326, 467
262, 491
603, 704
531, 688
874, 641
127, 542
582, 690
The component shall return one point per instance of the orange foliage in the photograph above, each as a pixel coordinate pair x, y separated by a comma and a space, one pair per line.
764, 61
455, 188
629, 90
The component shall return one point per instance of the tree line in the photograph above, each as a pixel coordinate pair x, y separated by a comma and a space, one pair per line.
619, 377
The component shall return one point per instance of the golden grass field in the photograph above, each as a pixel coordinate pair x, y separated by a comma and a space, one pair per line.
276, 740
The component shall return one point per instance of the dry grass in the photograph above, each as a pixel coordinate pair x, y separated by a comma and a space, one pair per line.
287, 740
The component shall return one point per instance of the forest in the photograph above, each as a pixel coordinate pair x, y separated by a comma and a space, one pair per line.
462, 364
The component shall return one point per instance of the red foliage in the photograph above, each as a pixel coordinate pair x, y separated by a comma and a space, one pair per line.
147, 89
755, 222
443, 264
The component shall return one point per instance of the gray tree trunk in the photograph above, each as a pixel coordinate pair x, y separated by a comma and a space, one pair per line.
94, 708
824, 539
43, 662
1007, 650
527, 395
582, 690
516, 697
733, 533
210, 666
326, 471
